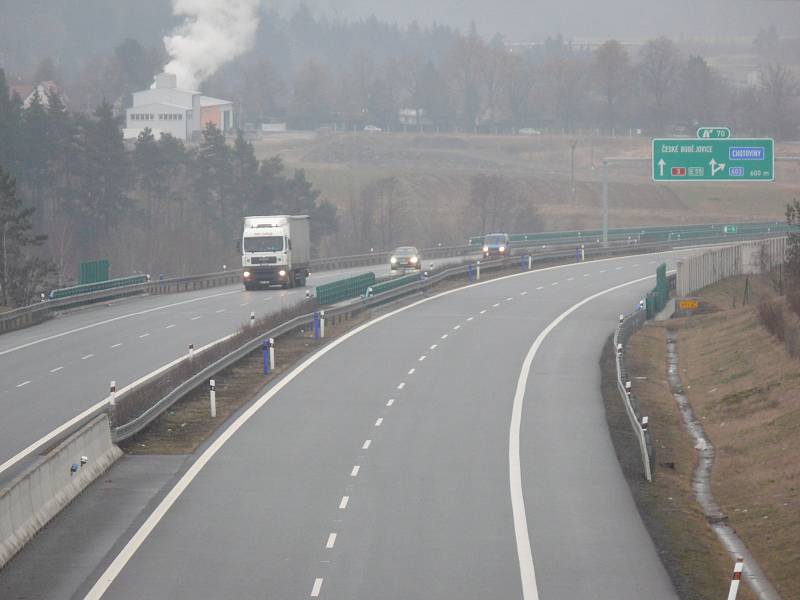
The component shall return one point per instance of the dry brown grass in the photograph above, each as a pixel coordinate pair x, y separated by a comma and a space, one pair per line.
745, 387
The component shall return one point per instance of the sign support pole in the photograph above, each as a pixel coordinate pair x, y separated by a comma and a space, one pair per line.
605, 203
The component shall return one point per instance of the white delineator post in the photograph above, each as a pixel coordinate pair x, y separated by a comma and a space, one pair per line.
737, 577
271, 354
530, 262
112, 393
478, 271
252, 319
322, 324
191, 351
213, 386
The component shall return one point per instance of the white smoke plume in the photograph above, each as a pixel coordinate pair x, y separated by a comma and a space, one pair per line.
214, 32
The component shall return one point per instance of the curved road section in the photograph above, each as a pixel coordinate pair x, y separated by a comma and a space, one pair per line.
384, 465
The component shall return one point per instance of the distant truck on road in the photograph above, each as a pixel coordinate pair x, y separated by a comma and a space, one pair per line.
276, 250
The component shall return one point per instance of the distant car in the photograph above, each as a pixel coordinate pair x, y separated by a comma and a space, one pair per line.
372, 129
496, 244
405, 257
529, 131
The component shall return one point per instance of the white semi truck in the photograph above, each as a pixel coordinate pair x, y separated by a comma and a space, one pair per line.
276, 250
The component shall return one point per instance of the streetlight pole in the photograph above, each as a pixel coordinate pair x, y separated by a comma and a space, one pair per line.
572, 175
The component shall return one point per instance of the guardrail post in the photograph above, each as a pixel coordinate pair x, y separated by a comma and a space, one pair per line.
322, 324
265, 355
736, 578
213, 396
252, 319
272, 353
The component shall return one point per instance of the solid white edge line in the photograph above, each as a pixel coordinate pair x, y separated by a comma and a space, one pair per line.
112, 320
127, 552
524, 553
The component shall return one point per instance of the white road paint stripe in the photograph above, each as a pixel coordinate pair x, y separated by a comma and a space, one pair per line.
444, 337
113, 570
619, 268
379, 422
411, 371
570, 278
433, 346
170, 326
343, 503
457, 327
23, 384
421, 358
509, 299
586, 274
524, 553
331, 541
401, 385
117, 345
144, 335
390, 402
495, 305
317, 587
366, 444
197, 317
244, 304
112, 320
523, 293
87, 357
554, 283
221, 310
483, 312
470, 319
602, 271
540, 288
56, 370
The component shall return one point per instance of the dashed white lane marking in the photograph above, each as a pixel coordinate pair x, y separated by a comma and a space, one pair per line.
540, 287
144, 335
434, 346
523, 293
244, 304
570, 278
411, 371
331, 541
470, 318
495, 305
117, 345
23, 384
317, 587
87, 357
586, 274
421, 358
366, 444
197, 317
602, 270
509, 299
56, 370
390, 402
379, 422
483, 312
401, 385
354, 472
554, 283
456, 328
343, 503
221, 310
444, 337
170, 326
619, 268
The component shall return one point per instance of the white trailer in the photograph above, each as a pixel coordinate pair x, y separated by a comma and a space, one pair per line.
276, 250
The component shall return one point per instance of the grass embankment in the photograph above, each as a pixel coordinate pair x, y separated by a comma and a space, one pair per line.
745, 388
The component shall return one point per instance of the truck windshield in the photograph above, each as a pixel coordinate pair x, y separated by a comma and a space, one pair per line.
272, 243
494, 240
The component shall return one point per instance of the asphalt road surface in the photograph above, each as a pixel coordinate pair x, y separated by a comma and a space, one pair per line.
412, 459
52, 372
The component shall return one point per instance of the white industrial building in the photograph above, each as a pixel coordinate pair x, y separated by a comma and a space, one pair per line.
165, 108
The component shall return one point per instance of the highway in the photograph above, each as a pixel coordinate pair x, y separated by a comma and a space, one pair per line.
455, 448
54, 371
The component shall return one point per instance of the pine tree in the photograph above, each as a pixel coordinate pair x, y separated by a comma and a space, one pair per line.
16, 269
10, 125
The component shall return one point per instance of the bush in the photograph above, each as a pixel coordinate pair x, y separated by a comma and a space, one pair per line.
771, 316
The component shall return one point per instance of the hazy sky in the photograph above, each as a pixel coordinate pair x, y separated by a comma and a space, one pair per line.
532, 20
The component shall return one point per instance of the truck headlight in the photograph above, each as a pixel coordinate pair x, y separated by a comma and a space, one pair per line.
393, 260
414, 260
486, 248
502, 248
282, 273
246, 274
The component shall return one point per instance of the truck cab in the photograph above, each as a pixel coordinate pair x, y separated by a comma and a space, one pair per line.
496, 245
275, 251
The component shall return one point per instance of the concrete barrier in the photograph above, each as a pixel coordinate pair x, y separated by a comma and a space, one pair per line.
35, 496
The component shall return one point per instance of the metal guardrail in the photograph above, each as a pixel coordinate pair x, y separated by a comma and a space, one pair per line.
344, 289
627, 327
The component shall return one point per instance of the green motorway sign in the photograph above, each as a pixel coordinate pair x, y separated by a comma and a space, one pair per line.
713, 132
712, 159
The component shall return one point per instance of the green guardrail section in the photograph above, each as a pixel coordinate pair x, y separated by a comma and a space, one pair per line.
93, 272
76, 290
652, 234
656, 300
344, 289
392, 284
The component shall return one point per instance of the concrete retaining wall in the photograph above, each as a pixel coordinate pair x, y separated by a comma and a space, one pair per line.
35, 496
715, 265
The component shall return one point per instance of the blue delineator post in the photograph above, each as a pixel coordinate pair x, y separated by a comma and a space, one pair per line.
265, 354
469, 272
316, 325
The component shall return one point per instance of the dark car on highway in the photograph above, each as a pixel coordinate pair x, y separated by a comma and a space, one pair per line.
497, 245
405, 257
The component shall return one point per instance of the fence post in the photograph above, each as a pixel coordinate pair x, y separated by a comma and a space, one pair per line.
213, 396
736, 578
